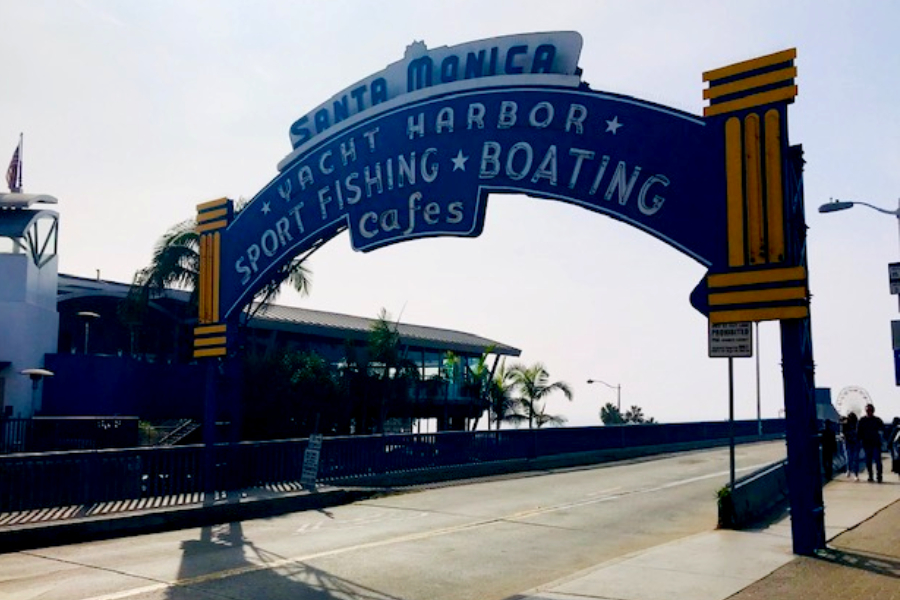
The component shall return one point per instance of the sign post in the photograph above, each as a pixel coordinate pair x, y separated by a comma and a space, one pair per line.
730, 340
311, 462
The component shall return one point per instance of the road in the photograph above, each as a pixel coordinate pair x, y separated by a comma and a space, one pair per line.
482, 540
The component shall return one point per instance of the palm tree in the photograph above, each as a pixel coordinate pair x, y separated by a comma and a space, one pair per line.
398, 372
533, 385
384, 344
503, 406
176, 264
541, 418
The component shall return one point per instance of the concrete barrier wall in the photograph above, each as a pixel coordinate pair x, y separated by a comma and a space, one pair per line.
558, 461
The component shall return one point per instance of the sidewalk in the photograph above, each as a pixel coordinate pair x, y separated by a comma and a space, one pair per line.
862, 561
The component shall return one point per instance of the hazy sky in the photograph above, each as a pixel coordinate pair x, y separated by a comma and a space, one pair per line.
134, 112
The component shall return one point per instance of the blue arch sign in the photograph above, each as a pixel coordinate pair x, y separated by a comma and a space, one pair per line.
426, 169
415, 151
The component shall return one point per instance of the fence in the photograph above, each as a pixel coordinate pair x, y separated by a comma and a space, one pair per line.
53, 479
43, 434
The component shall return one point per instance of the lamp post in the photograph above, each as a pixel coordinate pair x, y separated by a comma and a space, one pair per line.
617, 387
88, 316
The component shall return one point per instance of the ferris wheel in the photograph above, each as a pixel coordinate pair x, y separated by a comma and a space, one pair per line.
852, 399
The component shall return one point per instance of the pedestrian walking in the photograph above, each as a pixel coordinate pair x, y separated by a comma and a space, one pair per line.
851, 443
829, 447
870, 430
894, 446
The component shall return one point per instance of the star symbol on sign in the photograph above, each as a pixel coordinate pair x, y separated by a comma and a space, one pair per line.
612, 126
459, 163
265, 208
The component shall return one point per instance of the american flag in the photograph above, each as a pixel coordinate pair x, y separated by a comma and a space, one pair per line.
14, 172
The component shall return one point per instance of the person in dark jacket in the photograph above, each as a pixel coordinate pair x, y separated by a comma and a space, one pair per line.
870, 430
894, 445
829, 447
851, 444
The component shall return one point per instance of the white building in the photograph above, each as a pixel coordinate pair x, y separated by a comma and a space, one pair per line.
29, 322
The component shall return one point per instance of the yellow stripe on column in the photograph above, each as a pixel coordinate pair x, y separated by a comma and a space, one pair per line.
209, 352
212, 204
212, 341
759, 314
757, 296
720, 280
215, 274
210, 226
734, 179
205, 280
210, 329
785, 94
211, 215
774, 190
751, 65
743, 85
201, 293
753, 166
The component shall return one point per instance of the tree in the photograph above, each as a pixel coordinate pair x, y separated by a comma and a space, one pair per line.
395, 372
541, 418
384, 344
503, 406
479, 385
176, 264
533, 386
291, 394
634, 415
611, 415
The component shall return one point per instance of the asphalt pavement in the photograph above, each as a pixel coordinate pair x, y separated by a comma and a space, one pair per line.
861, 562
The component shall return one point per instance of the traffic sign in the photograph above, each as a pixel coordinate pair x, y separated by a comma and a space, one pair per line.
730, 340
897, 367
894, 277
311, 462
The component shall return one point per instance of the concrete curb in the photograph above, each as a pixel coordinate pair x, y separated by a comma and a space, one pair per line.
57, 533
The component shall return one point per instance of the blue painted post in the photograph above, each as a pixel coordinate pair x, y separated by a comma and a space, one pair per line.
804, 463
803, 468
209, 428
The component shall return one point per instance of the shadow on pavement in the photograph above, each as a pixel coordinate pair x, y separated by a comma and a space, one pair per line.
223, 563
873, 563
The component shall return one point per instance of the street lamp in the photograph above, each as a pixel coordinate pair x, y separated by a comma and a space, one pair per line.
617, 387
36, 375
88, 317
836, 205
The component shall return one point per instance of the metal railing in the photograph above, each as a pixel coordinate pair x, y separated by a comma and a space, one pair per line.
14, 435
53, 479
44, 434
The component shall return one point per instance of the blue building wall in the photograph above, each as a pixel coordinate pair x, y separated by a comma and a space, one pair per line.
112, 385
